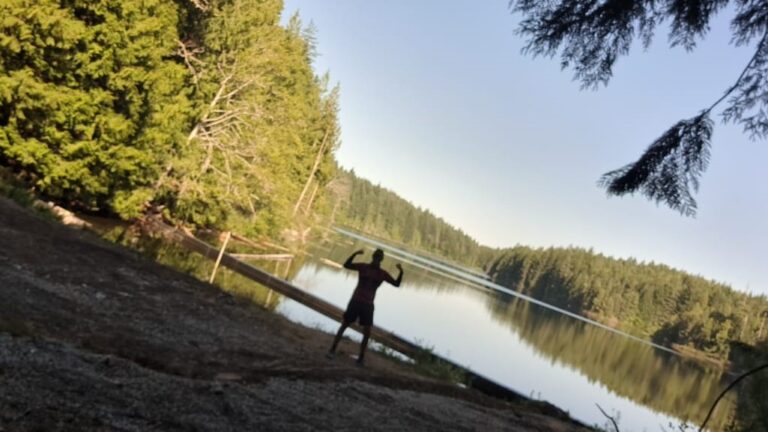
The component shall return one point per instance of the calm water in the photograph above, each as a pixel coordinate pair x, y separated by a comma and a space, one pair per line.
529, 348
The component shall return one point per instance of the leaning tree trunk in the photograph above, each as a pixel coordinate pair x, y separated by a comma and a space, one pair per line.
315, 166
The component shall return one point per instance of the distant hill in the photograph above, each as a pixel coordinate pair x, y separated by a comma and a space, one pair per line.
379, 212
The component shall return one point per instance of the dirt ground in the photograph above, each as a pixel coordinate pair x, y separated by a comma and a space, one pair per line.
97, 337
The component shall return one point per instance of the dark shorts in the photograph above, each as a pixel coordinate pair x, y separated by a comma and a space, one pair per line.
363, 311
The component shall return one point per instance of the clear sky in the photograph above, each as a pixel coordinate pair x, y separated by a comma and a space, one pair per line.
439, 105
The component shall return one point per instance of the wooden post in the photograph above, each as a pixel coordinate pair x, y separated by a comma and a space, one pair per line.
269, 290
221, 254
269, 297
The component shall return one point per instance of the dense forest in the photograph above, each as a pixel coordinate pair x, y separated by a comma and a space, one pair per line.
208, 110
650, 300
379, 212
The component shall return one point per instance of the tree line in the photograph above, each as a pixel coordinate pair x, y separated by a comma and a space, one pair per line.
378, 211
206, 110
646, 299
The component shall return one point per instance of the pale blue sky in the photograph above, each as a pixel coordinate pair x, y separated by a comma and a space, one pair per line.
438, 105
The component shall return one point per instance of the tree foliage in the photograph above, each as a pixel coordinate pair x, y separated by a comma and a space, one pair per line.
208, 109
91, 100
380, 212
266, 119
591, 35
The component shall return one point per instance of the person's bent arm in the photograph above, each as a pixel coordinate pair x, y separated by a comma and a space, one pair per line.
396, 282
348, 264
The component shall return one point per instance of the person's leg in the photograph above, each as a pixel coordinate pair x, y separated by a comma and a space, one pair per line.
336, 339
366, 321
364, 343
350, 316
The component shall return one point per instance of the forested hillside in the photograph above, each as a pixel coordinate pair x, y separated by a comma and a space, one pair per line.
380, 212
209, 110
646, 299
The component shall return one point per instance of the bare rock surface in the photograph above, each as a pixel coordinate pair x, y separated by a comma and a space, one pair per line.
96, 337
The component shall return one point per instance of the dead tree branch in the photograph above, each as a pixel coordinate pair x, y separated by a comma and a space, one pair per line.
615, 425
727, 389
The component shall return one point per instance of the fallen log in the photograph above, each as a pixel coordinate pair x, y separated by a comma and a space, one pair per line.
384, 337
265, 257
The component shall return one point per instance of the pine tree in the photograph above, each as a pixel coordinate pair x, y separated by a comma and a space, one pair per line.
92, 100
266, 124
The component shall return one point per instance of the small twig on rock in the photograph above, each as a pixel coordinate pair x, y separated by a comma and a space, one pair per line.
615, 426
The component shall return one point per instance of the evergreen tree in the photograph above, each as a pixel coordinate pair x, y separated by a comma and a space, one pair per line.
267, 130
92, 100
380, 212
209, 109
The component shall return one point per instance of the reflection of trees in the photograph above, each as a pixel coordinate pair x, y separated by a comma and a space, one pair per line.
752, 408
661, 381
195, 264
639, 372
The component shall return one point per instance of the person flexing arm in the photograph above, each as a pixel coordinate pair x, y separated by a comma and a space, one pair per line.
348, 264
360, 307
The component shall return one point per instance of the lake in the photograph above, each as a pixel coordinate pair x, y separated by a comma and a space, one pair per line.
521, 343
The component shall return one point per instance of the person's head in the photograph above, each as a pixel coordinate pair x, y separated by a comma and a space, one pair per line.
378, 256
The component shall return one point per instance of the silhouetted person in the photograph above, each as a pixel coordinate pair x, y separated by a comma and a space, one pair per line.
360, 307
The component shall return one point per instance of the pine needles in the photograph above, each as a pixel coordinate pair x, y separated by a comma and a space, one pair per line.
670, 168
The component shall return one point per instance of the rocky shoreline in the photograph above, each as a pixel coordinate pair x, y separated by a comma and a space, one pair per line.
97, 337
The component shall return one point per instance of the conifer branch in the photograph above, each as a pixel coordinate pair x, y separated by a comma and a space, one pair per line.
760, 47
669, 168
590, 35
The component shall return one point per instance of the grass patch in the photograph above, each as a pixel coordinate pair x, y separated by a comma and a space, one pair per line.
426, 363
13, 189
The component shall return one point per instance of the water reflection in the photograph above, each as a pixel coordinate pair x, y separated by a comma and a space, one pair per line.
676, 388
653, 378
526, 347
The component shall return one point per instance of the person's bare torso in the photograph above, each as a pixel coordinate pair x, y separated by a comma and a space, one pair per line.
369, 280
